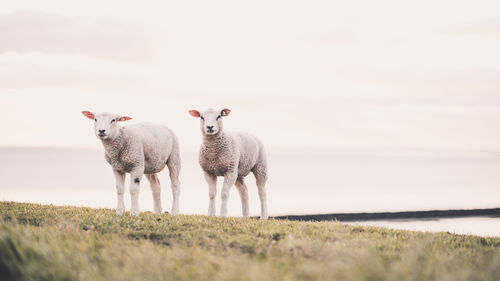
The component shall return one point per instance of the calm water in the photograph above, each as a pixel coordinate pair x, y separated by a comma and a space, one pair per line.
301, 182
483, 226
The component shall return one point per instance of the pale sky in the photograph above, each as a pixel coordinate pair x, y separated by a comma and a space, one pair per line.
321, 74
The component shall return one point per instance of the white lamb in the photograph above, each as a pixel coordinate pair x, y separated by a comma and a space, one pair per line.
233, 156
141, 149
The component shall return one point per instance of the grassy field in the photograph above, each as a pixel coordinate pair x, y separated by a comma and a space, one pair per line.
39, 242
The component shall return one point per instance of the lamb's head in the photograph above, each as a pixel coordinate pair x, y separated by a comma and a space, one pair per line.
210, 120
105, 124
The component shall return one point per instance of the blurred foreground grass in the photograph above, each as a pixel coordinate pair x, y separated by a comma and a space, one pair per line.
40, 242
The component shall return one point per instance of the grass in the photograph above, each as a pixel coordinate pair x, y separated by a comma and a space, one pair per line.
40, 242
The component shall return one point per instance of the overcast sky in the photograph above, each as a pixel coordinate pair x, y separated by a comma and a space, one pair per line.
322, 74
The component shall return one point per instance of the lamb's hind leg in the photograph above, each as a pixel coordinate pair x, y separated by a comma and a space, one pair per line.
156, 190
174, 168
260, 173
243, 190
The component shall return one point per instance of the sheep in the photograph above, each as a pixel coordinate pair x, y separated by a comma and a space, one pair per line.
233, 156
140, 149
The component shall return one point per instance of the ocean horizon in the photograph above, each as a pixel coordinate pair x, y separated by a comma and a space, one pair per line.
300, 182
320, 181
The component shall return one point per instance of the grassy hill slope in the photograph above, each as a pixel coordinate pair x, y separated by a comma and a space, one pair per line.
40, 242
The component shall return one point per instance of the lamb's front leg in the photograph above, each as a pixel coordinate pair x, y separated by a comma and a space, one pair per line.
120, 191
212, 192
135, 182
229, 181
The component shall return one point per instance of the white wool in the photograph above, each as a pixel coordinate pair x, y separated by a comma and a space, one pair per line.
140, 149
233, 156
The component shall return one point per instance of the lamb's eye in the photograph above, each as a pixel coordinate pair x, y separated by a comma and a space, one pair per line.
95, 119
217, 117
113, 120
202, 118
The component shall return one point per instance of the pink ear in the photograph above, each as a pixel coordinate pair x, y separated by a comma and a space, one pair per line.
194, 113
89, 114
123, 118
225, 112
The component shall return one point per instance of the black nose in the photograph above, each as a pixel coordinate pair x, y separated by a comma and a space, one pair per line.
102, 131
210, 128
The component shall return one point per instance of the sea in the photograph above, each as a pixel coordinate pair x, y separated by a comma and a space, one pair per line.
301, 181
